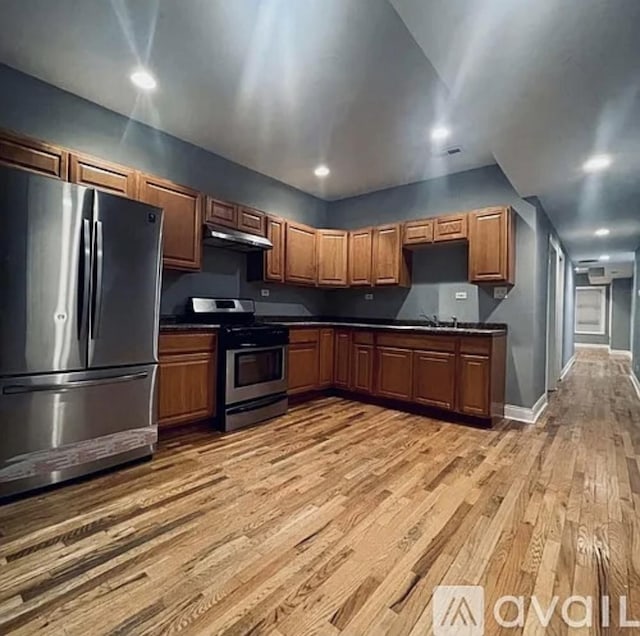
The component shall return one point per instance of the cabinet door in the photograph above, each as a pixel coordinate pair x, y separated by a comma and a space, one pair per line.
187, 387
300, 249
452, 227
418, 232
342, 365
332, 257
103, 175
362, 368
434, 378
33, 155
390, 264
326, 357
303, 367
360, 246
251, 221
491, 246
395, 370
474, 374
221, 213
182, 246
274, 258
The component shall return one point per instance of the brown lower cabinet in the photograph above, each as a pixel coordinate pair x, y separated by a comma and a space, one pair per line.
462, 374
187, 377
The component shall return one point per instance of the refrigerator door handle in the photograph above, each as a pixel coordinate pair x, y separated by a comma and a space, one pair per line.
98, 279
14, 389
85, 277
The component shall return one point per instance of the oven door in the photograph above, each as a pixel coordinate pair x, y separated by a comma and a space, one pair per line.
255, 372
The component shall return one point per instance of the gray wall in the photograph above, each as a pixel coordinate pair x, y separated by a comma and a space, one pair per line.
38, 109
621, 297
636, 317
438, 272
568, 346
582, 280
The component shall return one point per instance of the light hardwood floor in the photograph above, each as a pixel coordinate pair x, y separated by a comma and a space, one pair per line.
339, 518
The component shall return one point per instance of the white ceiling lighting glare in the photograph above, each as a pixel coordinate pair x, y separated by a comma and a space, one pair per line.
322, 171
597, 163
440, 133
604, 257
603, 231
143, 79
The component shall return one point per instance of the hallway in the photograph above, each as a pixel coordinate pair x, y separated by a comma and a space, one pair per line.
340, 518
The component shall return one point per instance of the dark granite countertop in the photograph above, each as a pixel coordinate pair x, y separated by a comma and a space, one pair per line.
173, 323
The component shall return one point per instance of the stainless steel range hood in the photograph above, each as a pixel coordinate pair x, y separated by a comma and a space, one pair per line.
234, 239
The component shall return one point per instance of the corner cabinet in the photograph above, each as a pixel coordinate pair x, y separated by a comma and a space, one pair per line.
391, 264
332, 258
301, 255
492, 246
182, 221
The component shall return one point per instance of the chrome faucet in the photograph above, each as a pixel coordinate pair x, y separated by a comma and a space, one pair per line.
455, 322
432, 321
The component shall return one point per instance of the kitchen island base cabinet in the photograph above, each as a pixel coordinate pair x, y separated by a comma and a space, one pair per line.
187, 378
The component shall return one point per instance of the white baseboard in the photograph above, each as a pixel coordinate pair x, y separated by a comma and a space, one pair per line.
620, 352
584, 345
523, 414
635, 382
567, 367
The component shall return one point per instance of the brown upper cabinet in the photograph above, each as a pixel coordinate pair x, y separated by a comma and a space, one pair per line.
252, 221
418, 232
274, 258
103, 175
492, 246
301, 255
391, 265
33, 155
182, 221
221, 212
452, 227
360, 247
332, 257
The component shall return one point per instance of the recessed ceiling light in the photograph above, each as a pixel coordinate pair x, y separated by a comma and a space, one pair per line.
143, 79
603, 231
596, 163
604, 257
322, 171
440, 133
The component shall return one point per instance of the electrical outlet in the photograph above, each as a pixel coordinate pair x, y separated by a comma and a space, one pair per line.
368, 296
500, 293
264, 292
461, 295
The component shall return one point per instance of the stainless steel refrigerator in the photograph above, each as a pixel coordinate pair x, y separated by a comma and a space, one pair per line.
79, 311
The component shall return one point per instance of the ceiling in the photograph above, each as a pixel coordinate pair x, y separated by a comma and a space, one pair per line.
550, 83
281, 86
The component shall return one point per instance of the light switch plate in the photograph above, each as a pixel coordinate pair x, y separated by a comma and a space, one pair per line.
264, 292
368, 296
500, 293
461, 295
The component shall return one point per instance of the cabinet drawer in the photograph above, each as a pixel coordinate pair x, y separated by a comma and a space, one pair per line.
418, 232
202, 341
304, 335
252, 221
363, 337
415, 341
450, 228
475, 345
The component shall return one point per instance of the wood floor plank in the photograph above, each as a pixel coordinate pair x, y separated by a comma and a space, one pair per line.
340, 518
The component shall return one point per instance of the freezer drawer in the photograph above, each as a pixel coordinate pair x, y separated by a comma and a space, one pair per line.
57, 426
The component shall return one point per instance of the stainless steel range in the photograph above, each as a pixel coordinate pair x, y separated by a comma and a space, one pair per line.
252, 361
